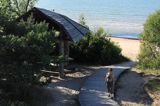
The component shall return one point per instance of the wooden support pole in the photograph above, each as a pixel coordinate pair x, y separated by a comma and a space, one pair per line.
61, 65
66, 51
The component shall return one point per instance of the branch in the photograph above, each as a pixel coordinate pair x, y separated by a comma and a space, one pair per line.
17, 5
27, 5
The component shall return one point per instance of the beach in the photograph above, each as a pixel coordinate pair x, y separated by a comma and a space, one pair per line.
118, 17
130, 47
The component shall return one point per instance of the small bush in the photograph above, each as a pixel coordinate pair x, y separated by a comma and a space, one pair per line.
96, 48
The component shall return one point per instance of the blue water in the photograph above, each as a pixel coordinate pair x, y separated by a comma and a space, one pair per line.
123, 18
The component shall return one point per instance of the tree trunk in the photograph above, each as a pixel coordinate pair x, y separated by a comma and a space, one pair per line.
61, 64
66, 51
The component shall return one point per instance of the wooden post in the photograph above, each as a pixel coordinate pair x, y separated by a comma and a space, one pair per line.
61, 64
66, 51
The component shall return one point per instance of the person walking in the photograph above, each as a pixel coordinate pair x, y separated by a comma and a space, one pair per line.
109, 81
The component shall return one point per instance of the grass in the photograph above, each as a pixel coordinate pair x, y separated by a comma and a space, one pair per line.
152, 71
153, 85
148, 71
18, 104
132, 105
153, 89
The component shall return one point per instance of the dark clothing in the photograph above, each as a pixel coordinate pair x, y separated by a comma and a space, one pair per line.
110, 87
109, 80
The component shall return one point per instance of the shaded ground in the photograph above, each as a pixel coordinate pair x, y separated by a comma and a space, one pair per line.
153, 88
60, 92
65, 91
130, 90
94, 90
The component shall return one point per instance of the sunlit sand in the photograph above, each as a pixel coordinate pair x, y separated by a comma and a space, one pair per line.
130, 47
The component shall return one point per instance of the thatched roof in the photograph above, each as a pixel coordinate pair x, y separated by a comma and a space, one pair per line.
71, 29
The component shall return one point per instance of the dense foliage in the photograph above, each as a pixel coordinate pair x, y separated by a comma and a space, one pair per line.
26, 47
149, 56
25, 51
15, 8
96, 48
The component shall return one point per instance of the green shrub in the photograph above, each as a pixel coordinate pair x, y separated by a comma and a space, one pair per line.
96, 48
25, 50
24, 54
149, 57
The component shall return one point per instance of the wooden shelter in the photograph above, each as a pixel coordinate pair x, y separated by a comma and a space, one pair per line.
70, 31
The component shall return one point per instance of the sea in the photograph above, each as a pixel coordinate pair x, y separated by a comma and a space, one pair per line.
120, 18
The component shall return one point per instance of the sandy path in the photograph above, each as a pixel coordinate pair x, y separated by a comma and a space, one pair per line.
130, 47
65, 91
130, 91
